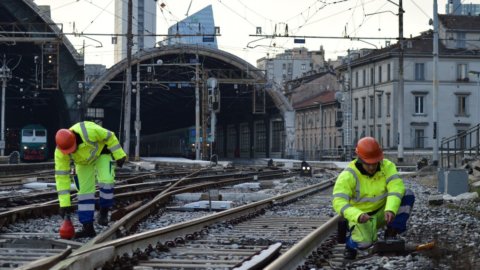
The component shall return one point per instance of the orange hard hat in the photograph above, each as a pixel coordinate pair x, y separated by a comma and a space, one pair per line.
66, 141
369, 151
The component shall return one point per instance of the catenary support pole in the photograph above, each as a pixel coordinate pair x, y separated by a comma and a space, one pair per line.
435, 83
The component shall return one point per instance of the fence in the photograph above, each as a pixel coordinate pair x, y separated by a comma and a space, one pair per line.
455, 149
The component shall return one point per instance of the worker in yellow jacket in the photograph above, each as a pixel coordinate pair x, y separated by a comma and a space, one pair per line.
370, 194
91, 149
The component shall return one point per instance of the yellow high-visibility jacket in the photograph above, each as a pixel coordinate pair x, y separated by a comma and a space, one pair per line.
355, 193
94, 139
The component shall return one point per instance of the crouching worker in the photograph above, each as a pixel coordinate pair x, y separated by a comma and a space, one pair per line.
91, 148
370, 194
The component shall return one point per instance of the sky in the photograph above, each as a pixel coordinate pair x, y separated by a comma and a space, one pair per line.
238, 20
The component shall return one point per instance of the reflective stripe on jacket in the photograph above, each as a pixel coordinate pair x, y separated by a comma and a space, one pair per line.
94, 138
355, 193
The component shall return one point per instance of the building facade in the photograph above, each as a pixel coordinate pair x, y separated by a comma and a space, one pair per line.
372, 81
317, 134
291, 65
200, 26
144, 26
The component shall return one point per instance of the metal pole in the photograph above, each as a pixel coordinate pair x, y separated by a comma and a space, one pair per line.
349, 116
197, 110
400, 83
4, 75
213, 121
4, 85
138, 123
435, 84
128, 88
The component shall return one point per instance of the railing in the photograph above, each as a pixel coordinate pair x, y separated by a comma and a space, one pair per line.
455, 149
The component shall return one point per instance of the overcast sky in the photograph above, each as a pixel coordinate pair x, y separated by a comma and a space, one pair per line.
238, 19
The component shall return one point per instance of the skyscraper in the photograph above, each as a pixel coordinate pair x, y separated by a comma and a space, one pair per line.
199, 23
144, 23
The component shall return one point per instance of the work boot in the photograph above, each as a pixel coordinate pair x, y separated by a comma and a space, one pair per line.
87, 231
391, 234
102, 217
349, 253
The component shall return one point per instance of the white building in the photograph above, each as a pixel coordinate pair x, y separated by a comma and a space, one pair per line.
374, 85
292, 64
144, 26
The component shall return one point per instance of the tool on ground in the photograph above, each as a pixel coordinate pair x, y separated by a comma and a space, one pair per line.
399, 247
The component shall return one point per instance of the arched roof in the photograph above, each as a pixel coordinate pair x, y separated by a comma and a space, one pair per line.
168, 89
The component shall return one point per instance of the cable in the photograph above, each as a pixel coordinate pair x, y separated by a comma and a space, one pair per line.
102, 10
424, 13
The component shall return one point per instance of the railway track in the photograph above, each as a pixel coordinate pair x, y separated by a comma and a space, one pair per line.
241, 231
209, 179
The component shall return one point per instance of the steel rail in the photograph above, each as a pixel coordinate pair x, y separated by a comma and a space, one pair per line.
296, 255
120, 227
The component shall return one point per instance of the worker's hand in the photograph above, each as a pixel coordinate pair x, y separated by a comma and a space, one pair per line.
364, 218
389, 217
121, 161
66, 211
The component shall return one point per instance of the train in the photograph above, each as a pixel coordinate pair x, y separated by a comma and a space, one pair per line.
172, 143
33, 143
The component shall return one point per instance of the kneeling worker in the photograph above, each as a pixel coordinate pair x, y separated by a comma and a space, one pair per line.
91, 148
370, 194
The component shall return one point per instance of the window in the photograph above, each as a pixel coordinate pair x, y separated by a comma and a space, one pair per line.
363, 107
277, 136
388, 73
419, 104
372, 107
379, 110
304, 67
419, 71
379, 74
461, 40
244, 138
419, 138
372, 76
462, 105
27, 133
356, 108
93, 113
388, 104
356, 79
462, 139
462, 73
231, 139
372, 131
388, 135
364, 77
260, 137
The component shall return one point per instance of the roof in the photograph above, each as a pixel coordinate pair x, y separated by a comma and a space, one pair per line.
325, 97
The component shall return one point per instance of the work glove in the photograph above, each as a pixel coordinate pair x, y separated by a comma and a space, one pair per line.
66, 211
121, 161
